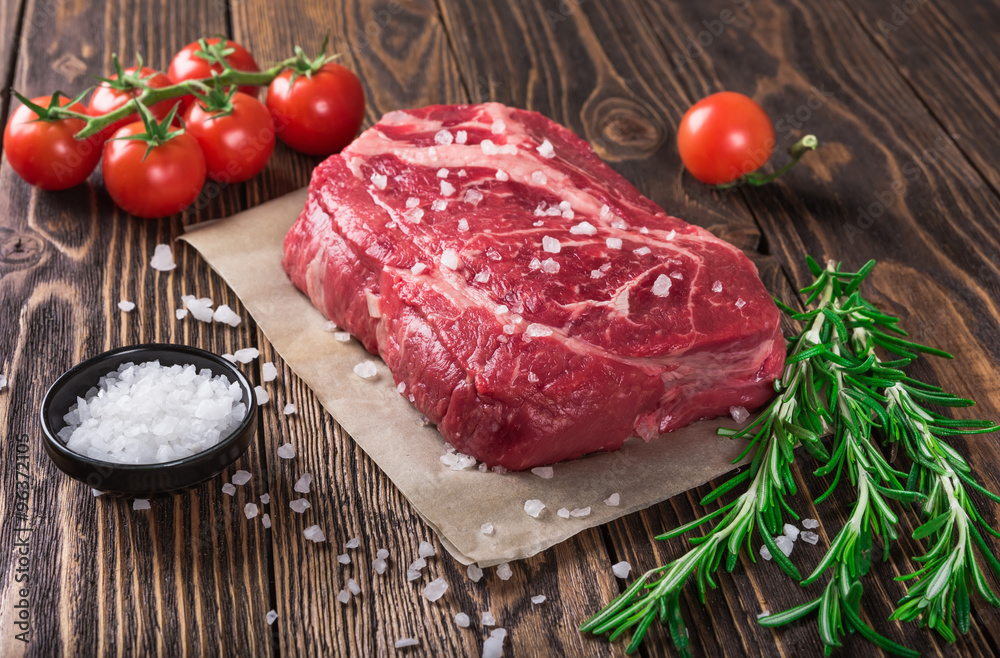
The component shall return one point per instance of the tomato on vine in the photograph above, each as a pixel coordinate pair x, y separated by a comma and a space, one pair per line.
317, 111
235, 134
205, 56
153, 171
123, 86
40, 145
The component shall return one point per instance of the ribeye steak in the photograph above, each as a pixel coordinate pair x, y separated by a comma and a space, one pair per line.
527, 299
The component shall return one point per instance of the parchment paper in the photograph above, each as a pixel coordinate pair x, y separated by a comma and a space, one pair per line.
246, 250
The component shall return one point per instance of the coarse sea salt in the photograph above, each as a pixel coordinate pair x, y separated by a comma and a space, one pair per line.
613, 500
246, 355
809, 537
268, 372
241, 477
474, 573
228, 489
461, 136
140, 503
201, 308
226, 315
661, 287
504, 571
270, 617
353, 543
551, 245
462, 620
266, 520
583, 228
406, 642
538, 599
488, 618
180, 313
126, 305
740, 303
791, 531
613, 243
810, 523
545, 149
379, 181
580, 511
717, 286
289, 409
265, 498
550, 266
463, 225
379, 565
533, 507
286, 451
262, 396
739, 414
365, 369
450, 259
302, 484
329, 325
544, 472
344, 558
621, 569
162, 259
250, 510
435, 589
443, 137
563, 512
486, 528
148, 413
353, 587
642, 251
300, 505
314, 534
426, 549
785, 544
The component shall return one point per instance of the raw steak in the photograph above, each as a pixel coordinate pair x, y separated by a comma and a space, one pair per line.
527, 299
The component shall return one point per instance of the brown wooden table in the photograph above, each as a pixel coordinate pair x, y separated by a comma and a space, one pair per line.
903, 96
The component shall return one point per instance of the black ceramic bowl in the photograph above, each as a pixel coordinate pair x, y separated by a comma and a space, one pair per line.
143, 479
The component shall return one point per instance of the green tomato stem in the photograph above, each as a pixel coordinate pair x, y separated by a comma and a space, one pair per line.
797, 150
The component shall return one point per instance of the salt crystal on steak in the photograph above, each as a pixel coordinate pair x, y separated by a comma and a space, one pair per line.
163, 259
450, 259
661, 287
353, 543
717, 286
739, 414
614, 243
550, 266
545, 149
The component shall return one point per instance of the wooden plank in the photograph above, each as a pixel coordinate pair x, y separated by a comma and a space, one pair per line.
934, 235
186, 577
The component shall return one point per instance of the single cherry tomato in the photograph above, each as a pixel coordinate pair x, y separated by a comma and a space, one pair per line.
108, 97
319, 113
724, 136
44, 152
157, 183
236, 141
187, 64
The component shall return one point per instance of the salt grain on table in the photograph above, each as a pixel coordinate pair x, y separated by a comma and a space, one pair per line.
486, 528
382, 554
474, 573
228, 357
765, 552
809, 537
342, 336
406, 642
785, 544
270, 617
353, 587
240, 478
791, 531
810, 523
504, 571
344, 558
488, 619
622, 569
302, 484
435, 589
162, 259
563, 512
418, 564
329, 325
226, 315
462, 620
493, 647
353, 543
140, 503
266, 520
201, 308
314, 534
262, 396
739, 414
180, 313
544, 472
299, 505
286, 451
247, 354
613, 500
413, 574
426, 549
229, 489
265, 498
533, 507
250, 510
538, 599
126, 305
764, 614
3, 382
343, 596
96, 492
268, 372
584, 511
289, 409
379, 566
365, 369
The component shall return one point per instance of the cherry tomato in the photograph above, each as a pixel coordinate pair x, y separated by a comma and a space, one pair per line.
187, 65
106, 98
724, 136
236, 145
317, 114
44, 152
155, 184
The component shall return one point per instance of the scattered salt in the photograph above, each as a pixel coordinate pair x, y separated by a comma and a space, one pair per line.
247, 354
643, 230
265, 498
439, 205
765, 552
809, 537
226, 315
486, 528
497, 127
583, 228
344, 558
545, 149
502, 175
462, 620
353, 587
343, 596
488, 619
810, 523
412, 574
619, 224
661, 287
381, 554
201, 308
447, 189
227, 357
671, 235
622, 569
286, 451
365, 369
717, 286
268, 372
126, 305
299, 505
228, 489
740, 303
473, 197
426, 549
407, 641
642, 251
413, 202
250, 510
550, 266
180, 313
785, 544
739, 414
533, 507
162, 259
488, 147
241, 477
314, 534
791, 531
461, 136
96, 492
379, 565
463, 225
493, 646
140, 503
329, 325
605, 211
551, 245
764, 614
352, 543
443, 137
289, 409
443, 172
538, 599
418, 269
544, 472
270, 617
450, 259
474, 573
613, 243
563, 512
535, 330
302, 484
538, 178
266, 520
580, 511
504, 571
418, 565
482, 277
435, 589
613, 500
379, 181
262, 396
